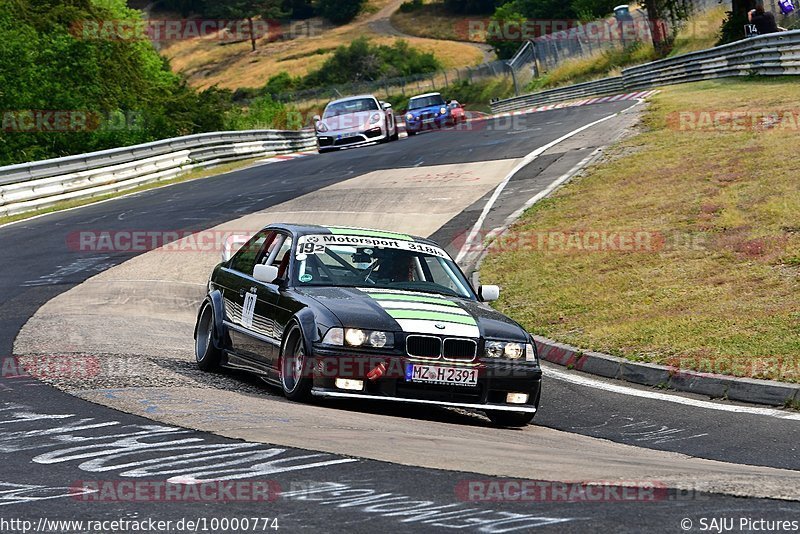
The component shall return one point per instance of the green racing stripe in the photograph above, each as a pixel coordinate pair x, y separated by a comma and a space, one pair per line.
422, 315
410, 298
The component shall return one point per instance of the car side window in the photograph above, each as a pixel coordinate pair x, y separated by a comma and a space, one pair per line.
282, 257
244, 260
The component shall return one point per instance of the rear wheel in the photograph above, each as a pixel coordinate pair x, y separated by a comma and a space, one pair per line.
411, 132
512, 419
207, 355
295, 378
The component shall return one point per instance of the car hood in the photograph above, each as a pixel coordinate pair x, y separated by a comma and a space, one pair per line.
348, 121
415, 312
416, 112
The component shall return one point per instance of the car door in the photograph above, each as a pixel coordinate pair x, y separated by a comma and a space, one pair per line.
240, 293
269, 319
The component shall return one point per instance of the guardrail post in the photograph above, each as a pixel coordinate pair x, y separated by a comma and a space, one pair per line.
514, 78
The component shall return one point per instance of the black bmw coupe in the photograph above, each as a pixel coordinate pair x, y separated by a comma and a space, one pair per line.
365, 314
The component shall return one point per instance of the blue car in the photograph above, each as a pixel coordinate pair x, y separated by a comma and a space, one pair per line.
427, 112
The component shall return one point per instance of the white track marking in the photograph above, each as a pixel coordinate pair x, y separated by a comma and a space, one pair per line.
468, 244
585, 381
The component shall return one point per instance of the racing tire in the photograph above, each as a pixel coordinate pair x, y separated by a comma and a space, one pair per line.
510, 419
395, 135
411, 132
295, 382
209, 357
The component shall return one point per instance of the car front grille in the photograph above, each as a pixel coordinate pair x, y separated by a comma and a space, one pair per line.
459, 349
424, 346
455, 349
350, 140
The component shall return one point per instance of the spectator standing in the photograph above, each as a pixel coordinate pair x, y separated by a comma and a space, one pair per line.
764, 21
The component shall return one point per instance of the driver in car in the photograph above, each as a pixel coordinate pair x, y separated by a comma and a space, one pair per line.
400, 268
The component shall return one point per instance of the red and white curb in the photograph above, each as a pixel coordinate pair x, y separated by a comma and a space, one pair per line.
284, 157
586, 102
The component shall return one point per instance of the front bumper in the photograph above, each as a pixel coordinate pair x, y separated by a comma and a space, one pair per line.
419, 124
336, 394
496, 379
349, 138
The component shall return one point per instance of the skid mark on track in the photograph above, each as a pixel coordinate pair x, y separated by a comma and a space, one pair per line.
364, 499
642, 431
144, 450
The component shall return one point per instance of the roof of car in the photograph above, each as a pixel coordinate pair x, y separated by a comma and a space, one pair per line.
426, 94
311, 229
351, 98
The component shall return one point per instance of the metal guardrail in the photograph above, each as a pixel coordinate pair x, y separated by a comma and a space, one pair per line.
30, 186
595, 88
776, 54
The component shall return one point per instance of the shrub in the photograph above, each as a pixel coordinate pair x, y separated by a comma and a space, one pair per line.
412, 5
340, 11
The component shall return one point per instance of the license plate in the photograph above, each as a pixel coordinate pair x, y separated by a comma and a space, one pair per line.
434, 374
427, 121
346, 135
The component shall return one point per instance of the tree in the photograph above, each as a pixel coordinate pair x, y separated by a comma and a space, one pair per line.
339, 11
655, 11
733, 27
248, 10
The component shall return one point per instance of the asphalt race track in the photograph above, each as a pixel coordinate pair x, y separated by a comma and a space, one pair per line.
51, 441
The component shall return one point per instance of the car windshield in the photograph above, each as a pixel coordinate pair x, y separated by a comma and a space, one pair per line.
380, 263
355, 105
425, 101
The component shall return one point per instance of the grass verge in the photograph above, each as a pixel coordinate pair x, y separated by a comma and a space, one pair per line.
716, 285
190, 175
432, 21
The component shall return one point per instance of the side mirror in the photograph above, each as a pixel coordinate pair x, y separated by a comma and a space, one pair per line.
232, 245
265, 273
316, 118
488, 293
386, 105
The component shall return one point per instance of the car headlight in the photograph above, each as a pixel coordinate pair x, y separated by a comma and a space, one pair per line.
409, 117
376, 117
494, 349
334, 336
378, 339
442, 111
513, 351
356, 337
321, 127
507, 349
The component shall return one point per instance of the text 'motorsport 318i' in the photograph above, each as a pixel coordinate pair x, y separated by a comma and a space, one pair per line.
355, 120
365, 314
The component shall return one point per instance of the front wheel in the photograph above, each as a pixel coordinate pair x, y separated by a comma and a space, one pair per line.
510, 419
396, 134
295, 370
207, 355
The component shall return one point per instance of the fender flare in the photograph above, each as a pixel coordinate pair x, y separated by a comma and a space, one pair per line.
214, 299
307, 323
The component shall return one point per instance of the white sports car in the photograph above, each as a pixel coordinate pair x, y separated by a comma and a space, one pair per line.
355, 120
